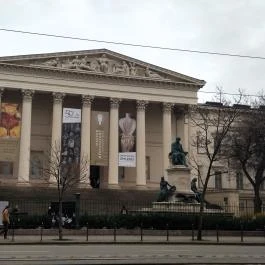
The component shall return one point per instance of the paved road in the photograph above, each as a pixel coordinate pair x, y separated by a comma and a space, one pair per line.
130, 254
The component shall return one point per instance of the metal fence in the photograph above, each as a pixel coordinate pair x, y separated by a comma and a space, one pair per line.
112, 207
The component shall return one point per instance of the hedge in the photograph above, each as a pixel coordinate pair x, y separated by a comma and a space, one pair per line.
149, 221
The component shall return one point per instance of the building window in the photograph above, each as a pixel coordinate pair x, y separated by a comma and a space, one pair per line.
218, 180
200, 144
36, 164
262, 185
241, 205
6, 168
239, 180
147, 167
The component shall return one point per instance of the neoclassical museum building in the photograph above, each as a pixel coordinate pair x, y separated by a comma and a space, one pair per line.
120, 113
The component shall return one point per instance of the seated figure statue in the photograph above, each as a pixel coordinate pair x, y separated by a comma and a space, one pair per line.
193, 187
177, 154
166, 190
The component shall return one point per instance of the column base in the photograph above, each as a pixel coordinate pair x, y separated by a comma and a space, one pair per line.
23, 184
84, 185
141, 187
52, 185
114, 186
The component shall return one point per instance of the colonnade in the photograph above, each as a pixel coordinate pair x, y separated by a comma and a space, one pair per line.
87, 100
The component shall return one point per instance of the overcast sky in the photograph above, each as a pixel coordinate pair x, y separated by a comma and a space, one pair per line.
226, 26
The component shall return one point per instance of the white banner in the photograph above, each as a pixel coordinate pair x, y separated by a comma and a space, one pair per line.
127, 159
71, 115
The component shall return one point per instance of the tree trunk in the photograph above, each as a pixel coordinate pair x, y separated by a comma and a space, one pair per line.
60, 219
200, 224
257, 200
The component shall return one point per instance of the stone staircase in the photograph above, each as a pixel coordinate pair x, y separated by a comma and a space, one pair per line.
8, 193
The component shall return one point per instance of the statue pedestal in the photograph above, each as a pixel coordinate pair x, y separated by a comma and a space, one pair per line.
179, 176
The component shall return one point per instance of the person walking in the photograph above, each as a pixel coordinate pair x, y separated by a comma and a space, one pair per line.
5, 221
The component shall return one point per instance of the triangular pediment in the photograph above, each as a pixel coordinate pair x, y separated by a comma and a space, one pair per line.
101, 61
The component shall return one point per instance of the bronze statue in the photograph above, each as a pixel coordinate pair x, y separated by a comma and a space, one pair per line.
177, 154
193, 187
166, 190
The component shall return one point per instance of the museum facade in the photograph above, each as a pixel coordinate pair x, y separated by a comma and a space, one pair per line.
119, 113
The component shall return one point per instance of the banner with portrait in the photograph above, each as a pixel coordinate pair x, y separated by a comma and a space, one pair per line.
10, 125
71, 136
99, 138
127, 140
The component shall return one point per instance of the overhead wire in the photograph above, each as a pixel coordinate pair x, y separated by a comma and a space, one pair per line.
133, 44
144, 46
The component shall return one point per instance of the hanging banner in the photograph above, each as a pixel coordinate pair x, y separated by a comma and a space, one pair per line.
127, 146
71, 135
99, 138
71, 115
10, 125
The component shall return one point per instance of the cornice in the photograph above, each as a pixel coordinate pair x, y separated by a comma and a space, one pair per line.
80, 74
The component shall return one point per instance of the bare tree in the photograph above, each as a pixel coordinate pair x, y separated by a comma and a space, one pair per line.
64, 175
247, 148
212, 122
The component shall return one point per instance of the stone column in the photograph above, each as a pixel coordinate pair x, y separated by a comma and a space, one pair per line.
56, 127
113, 179
24, 150
167, 107
140, 143
85, 139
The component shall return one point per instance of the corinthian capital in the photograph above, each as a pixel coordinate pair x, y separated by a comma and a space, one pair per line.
114, 103
167, 106
58, 97
27, 94
1, 91
87, 100
141, 104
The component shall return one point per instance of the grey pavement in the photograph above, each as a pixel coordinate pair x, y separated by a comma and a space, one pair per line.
130, 254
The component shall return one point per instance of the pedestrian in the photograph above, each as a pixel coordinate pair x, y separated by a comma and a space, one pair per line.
5, 221
124, 210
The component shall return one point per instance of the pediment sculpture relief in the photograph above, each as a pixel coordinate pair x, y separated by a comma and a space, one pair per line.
102, 64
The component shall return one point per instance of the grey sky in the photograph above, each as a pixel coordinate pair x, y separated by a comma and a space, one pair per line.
230, 26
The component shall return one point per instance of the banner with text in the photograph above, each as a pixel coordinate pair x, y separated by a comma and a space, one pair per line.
71, 135
99, 138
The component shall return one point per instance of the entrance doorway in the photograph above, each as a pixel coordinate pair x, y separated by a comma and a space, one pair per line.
95, 177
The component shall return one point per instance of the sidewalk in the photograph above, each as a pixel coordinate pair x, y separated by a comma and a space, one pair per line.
129, 239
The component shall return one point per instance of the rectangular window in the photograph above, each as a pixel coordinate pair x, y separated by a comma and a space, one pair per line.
218, 180
200, 144
239, 180
262, 186
216, 140
147, 167
6, 168
36, 164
